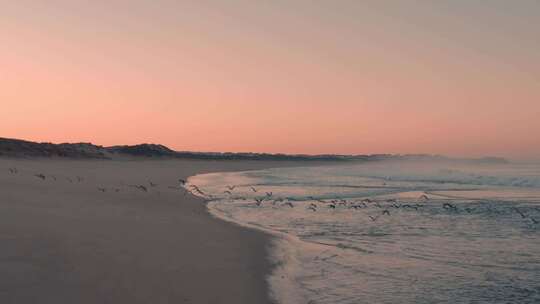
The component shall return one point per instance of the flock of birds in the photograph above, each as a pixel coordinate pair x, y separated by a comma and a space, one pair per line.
79, 179
315, 205
385, 206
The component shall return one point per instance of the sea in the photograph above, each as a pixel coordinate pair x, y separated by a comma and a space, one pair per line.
391, 231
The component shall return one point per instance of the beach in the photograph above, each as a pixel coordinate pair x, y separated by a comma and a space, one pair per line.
84, 231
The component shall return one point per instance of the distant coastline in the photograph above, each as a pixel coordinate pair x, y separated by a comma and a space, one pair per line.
21, 149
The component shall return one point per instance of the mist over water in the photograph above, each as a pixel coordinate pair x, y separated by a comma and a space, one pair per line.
394, 232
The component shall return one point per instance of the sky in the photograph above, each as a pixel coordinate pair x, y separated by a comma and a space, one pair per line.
460, 78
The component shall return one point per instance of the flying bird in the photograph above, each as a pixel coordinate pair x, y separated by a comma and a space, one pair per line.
140, 187
449, 206
40, 176
409, 206
231, 188
259, 201
253, 189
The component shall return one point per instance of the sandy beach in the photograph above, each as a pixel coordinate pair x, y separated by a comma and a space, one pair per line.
82, 233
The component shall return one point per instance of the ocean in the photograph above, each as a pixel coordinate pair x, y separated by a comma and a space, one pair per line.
392, 231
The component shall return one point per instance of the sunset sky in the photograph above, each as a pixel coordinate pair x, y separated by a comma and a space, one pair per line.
458, 77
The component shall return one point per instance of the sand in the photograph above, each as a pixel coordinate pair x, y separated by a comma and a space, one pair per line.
65, 241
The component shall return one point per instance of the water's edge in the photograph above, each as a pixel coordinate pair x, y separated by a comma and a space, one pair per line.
281, 252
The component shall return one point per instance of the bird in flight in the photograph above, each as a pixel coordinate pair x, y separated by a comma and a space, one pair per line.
449, 206
259, 201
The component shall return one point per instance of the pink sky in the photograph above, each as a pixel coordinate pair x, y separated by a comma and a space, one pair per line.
351, 77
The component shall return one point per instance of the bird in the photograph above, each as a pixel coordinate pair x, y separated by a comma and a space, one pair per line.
253, 189
409, 206
373, 219
449, 206
13, 170
231, 188
269, 194
181, 181
259, 201
194, 187
534, 220
40, 176
332, 206
140, 187
228, 192
424, 197
312, 208
385, 211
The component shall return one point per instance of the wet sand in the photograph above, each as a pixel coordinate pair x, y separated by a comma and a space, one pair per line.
65, 241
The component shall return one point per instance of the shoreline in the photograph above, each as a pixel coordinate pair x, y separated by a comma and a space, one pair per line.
72, 243
280, 253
